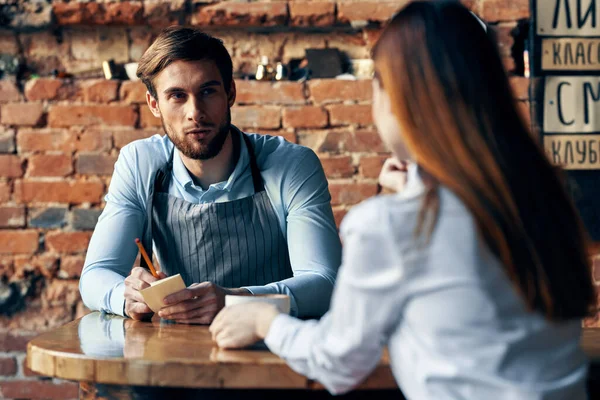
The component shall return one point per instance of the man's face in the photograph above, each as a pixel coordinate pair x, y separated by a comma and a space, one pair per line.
194, 107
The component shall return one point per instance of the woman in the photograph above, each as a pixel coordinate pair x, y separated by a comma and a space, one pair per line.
475, 274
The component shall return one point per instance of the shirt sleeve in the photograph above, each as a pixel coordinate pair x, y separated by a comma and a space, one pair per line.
343, 347
313, 241
112, 250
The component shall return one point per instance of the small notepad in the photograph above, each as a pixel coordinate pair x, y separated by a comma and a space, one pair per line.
155, 294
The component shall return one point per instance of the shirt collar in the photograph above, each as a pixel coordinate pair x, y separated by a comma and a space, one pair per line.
414, 183
182, 175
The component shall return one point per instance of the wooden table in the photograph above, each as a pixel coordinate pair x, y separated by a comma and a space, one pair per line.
109, 354
113, 357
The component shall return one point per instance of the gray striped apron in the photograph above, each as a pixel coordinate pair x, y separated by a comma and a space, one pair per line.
233, 244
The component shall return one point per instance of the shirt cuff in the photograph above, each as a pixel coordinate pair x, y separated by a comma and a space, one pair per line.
269, 289
278, 332
117, 299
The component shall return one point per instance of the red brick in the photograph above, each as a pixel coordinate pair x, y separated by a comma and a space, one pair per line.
95, 139
520, 87
370, 166
366, 140
61, 292
335, 141
71, 266
123, 13
372, 35
126, 136
289, 136
596, 267
133, 92
26, 371
304, 117
58, 192
147, 119
338, 214
68, 115
43, 264
11, 166
35, 140
12, 217
509, 64
505, 10
5, 191
6, 272
8, 366
50, 165
100, 91
68, 242
31, 389
368, 10
9, 91
254, 117
338, 167
15, 340
351, 193
342, 114
257, 92
164, 14
506, 40
43, 89
26, 114
525, 111
18, 241
336, 90
95, 164
313, 13
241, 14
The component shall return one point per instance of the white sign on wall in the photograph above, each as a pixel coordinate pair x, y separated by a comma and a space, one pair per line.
574, 151
572, 104
571, 54
568, 17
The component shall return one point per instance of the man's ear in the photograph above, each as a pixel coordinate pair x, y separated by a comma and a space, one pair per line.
152, 104
232, 94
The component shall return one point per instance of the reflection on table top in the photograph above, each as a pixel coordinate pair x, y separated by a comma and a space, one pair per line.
104, 348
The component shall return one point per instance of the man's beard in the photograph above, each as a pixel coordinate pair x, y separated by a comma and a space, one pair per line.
195, 150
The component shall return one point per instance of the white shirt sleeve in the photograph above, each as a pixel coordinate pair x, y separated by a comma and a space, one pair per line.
343, 347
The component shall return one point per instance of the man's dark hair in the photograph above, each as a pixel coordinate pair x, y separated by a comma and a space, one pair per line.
177, 43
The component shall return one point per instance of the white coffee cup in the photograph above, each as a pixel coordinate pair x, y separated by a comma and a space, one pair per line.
281, 301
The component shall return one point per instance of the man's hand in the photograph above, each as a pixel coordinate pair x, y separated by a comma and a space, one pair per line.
197, 304
243, 324
393, 174
135, 306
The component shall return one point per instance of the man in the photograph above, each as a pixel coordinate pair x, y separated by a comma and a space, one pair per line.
233, 213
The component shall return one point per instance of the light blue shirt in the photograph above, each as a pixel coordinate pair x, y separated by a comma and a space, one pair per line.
295, 184
454, 324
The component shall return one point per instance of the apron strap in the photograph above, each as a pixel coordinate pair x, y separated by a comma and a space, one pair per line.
256, 176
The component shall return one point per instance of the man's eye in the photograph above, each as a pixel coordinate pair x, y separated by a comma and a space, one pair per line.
206, 92
177, 96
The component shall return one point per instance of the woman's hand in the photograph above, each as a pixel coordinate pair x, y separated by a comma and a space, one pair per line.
393, 174
243, 324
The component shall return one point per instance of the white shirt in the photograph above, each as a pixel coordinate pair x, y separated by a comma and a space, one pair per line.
297, 188
454, 325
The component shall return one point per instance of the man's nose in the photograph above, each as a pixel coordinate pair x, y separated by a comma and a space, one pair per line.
196, 112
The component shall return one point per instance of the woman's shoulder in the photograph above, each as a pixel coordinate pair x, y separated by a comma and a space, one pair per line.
382, 214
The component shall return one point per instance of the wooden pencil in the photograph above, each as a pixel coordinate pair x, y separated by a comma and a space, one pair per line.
145, 255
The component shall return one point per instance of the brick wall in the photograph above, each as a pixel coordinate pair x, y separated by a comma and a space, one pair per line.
60, 138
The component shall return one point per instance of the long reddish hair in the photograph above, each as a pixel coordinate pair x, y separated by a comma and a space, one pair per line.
452, 98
